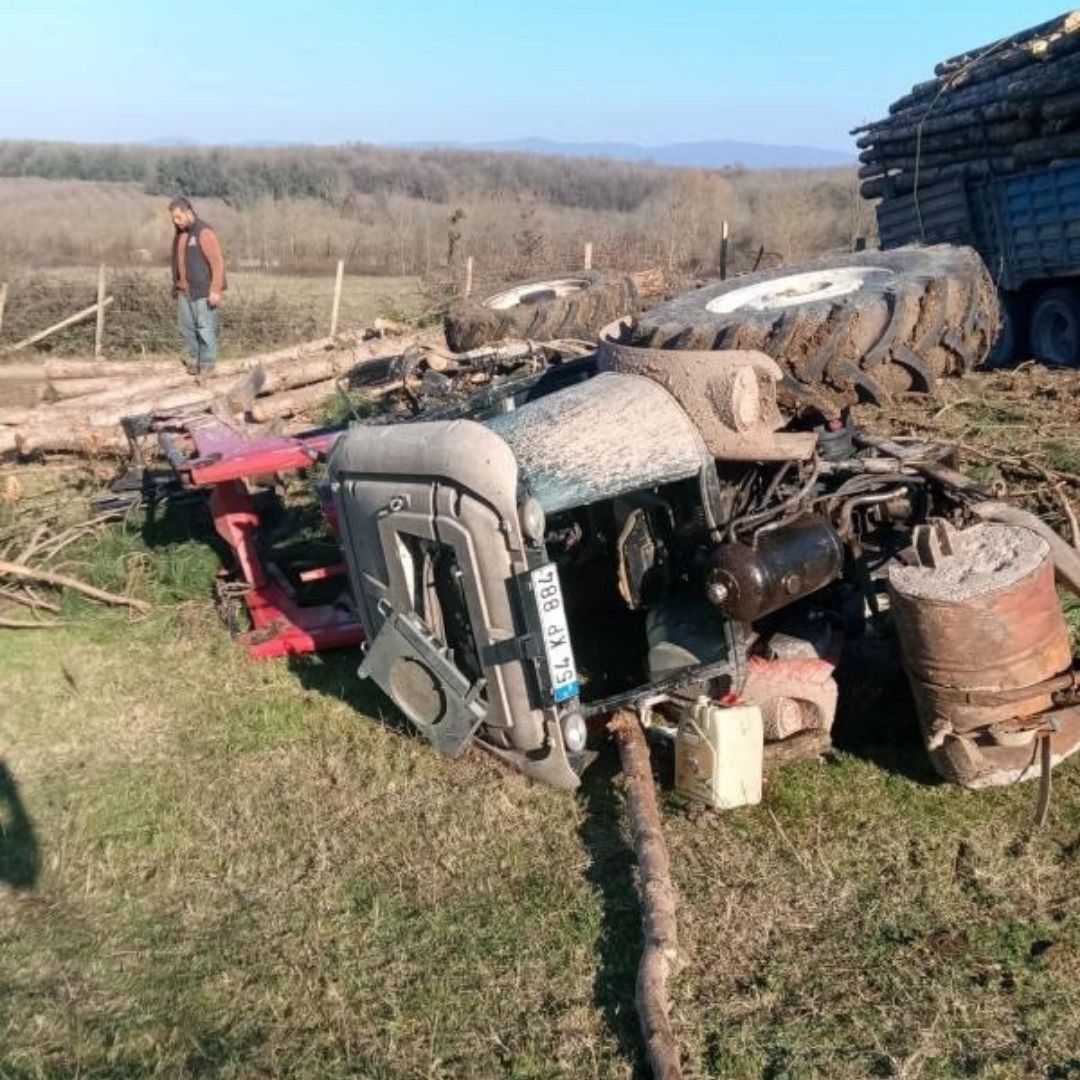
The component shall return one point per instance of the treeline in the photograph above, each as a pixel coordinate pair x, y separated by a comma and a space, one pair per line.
339, 175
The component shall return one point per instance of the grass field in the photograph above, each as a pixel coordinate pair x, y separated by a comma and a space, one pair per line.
216, 867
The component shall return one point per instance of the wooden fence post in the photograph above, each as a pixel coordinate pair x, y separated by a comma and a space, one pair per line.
337, 297
588, 255
723, 251
468, 275
99, 329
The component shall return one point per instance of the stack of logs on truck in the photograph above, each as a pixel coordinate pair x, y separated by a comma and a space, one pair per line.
988, 154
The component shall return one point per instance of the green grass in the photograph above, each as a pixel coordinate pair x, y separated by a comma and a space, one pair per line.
219, 867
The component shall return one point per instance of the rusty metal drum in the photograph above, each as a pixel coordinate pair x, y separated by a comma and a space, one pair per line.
984, 617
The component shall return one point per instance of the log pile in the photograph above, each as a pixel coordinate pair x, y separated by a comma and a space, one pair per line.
77, 406
999, 109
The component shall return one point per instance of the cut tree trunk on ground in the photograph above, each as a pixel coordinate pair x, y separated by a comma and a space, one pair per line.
91, 442
95, 369
65, 389
22, 372
291, 402
306, 372
129, 390
657, 894
306, 350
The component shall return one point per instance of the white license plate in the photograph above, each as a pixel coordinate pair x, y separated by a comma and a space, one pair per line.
558, 653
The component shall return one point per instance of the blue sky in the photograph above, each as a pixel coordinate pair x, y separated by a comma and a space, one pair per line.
645, 71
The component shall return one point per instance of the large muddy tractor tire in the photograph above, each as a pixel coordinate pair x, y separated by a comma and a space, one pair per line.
845, 328
572, 305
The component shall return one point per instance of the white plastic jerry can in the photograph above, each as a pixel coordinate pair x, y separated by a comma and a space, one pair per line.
719, 754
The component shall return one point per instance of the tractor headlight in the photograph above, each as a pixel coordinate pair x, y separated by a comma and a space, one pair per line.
574, 732
533, 520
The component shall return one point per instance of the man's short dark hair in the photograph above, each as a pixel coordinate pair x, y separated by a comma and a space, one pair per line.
180, 203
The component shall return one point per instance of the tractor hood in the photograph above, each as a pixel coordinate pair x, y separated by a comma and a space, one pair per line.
608, 436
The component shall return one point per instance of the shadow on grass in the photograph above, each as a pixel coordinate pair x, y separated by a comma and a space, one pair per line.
333, 674
178, 517
611, 871
19, 859
876, 718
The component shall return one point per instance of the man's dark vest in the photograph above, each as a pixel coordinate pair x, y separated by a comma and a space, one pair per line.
196, 265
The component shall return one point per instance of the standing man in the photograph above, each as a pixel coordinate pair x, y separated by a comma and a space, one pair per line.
198, 276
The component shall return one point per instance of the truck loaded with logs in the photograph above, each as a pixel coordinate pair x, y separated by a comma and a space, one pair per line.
987, 154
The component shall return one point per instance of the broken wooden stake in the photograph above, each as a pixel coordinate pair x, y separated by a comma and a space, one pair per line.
99, 328
337, 297
71, 320
660, 955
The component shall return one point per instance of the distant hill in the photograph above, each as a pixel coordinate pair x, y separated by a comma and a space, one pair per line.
715, 154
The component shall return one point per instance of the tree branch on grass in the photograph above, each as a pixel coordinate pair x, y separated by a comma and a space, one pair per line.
661, 952
62, 581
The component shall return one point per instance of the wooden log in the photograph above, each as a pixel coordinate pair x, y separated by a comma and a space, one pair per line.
1019, 89
965, 138
1052, 79
131, 390
661, 952
305, 372
91, 442
292, 402
289, 353
25, 372
930, 161
75, 388
1040, 151
93, 369
942, 123
650, 282
23, 393
987, 73
904, 183
1061, 105
71, 320
382, 328
1062, 24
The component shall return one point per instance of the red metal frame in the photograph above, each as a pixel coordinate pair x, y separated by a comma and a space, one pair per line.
224, 460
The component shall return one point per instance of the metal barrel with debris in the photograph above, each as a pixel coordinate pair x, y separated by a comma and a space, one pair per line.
986, 647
